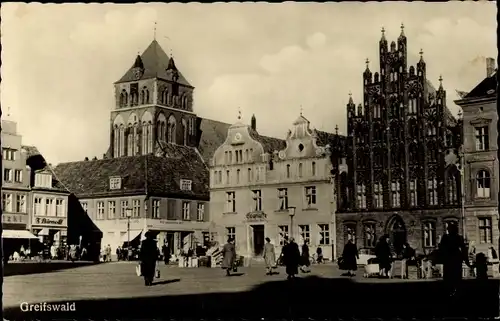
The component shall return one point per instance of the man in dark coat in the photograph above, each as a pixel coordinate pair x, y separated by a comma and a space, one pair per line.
384, 255
349, 257
453, 252
291, 258
148, 256
305, 257
166, 253
228, 256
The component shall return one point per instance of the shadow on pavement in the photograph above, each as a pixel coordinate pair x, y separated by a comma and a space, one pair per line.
166, 282
311, 297
23, 268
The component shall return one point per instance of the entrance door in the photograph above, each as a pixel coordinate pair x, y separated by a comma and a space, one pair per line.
258, 239
398, 234
170, 241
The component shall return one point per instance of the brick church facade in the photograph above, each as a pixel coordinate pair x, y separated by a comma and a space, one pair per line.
403, 176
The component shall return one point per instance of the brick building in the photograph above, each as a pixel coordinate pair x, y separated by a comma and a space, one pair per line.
480, 149
155, 169
255, 180
402, 177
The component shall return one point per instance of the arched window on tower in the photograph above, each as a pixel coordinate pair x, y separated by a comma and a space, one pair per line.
146, 92
130, 140
121, 102
137, 139
184, 132
147, 138
171, 130
122, 140
143, 97
116, 141
186, 102
288, 171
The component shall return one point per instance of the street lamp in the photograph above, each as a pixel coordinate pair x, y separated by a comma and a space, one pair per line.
128, 211
291, 212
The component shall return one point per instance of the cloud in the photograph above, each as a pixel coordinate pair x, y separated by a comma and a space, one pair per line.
317, 40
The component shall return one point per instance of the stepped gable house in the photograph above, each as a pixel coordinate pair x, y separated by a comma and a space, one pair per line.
402, 178
155, 170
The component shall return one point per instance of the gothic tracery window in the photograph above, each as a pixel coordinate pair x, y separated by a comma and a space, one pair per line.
171, 130
452, 189
432, 191
184, 132
396, 194
361, 195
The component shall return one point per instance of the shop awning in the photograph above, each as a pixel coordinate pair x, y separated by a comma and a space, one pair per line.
44, 232
133, 236
18, 234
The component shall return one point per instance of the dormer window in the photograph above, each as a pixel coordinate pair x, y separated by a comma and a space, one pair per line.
43, 180
115, 183
186, 184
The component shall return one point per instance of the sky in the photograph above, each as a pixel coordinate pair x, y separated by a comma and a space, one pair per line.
59, 62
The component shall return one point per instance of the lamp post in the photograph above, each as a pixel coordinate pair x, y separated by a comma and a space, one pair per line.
128, 211
291, 212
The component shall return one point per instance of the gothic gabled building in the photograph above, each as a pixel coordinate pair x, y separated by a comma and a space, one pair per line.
402, 177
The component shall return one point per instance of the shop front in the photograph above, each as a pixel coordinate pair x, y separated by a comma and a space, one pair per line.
51, 231
15, 235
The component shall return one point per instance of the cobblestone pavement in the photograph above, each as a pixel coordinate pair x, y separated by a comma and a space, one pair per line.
115, 289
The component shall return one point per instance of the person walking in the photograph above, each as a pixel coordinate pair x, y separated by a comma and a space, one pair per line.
228, 256
408, 254
319, 255
166, 253
349, 257
305, 258
148, 257
291, 258
384, 255
269, 256
108, 253
453, 252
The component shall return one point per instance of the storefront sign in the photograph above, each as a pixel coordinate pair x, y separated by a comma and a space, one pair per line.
168, 225
46, 221
14, 218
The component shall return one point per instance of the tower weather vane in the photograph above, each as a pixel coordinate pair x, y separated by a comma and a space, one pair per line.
154, 32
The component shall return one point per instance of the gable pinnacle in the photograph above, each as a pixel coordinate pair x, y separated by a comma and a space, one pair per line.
239, 113
402, 29
154, 32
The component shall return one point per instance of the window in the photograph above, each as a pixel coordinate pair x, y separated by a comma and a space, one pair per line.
228, 178
123, 209
156, 208
200, 212
483, 184
136, 208
186, 184
9, 154
452, 190
18, 176
7, 202
249, 174
115, 183
43, 180
283, 233
60, 208
482, 139
361, 195
396, 194
485, 230
311, 196
219, 177
378, 195
350, 232
305, 232
231, 202
38, 206
432, 190
237, 176
257, 200
288, 171
185, 211
413, 192
230, 157
313, 168
413, 105
237, 156
49, 207
370, 238
300, 170
231, 233
324, 234
21, 203
7, 174
100, 211
283, 198
376, 111
111, 209
429, 234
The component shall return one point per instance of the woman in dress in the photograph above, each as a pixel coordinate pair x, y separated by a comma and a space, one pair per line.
269, 256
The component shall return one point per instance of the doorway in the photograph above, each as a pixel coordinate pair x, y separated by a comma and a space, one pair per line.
397, 234
258, 239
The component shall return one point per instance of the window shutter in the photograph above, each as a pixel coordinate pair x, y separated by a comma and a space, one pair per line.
171, 214
194, 210
206, 217
178, 210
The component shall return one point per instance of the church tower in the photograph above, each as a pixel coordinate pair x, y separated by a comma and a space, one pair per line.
153, 106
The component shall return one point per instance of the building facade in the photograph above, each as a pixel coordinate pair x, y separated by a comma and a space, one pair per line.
480, 150
154, 176
257, 180
402, 177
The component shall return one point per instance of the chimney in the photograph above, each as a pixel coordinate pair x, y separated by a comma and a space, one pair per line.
490, 67
253, 123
